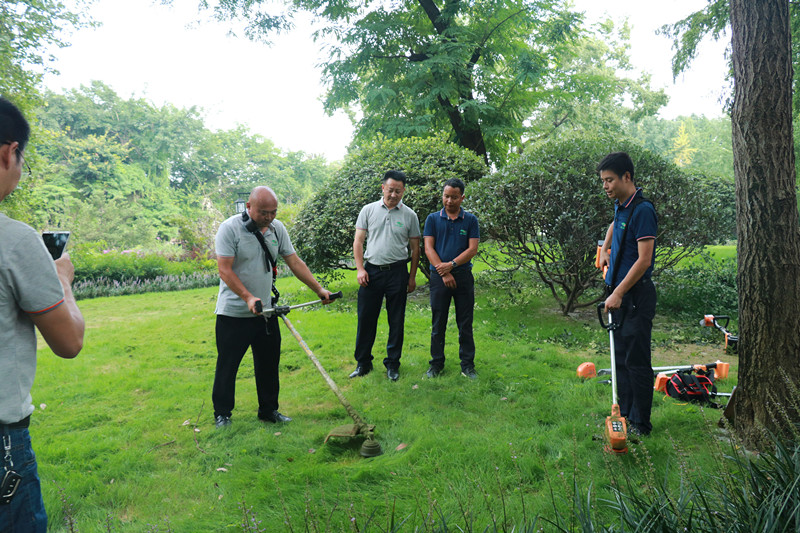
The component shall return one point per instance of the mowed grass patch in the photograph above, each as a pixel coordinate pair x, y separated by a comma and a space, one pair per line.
125, 433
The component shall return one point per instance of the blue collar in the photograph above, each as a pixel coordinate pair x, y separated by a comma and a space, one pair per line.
629, 200
443, 213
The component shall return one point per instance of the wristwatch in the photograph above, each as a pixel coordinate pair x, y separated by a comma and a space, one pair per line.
453, 262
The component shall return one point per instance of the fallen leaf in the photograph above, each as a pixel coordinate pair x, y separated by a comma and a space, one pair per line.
277, 433
311, 450
503, 399
219, 497
42, 406
415, 387
197, 430
222, 469
401, 446
290, 459
186, 422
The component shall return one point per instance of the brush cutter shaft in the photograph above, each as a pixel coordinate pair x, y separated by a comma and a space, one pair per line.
610, 326
283, 309
672, 369
363, 428
616, 427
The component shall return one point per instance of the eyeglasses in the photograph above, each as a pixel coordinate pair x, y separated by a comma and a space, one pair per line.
21, 156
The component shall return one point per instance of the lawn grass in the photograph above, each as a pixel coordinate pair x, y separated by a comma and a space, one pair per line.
125, 436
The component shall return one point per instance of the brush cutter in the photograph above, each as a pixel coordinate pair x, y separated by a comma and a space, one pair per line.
731, 340
370, 447
720, 369
616, 429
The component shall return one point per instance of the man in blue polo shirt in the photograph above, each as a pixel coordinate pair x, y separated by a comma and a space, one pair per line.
451, 240
632, 241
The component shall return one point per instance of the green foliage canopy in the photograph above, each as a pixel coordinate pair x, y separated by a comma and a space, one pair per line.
28, 28
325, 228
480, 71
547, 211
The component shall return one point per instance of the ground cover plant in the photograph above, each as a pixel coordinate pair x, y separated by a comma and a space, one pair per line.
126, 440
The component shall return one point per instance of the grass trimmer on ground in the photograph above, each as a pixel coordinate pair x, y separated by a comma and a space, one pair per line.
731, 340
616, 428
370, 447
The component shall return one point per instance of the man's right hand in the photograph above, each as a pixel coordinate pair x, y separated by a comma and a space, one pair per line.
65, 269
603, 260
251, 304
363, 277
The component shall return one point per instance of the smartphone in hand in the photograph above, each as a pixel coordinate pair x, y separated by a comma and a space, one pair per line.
55, 241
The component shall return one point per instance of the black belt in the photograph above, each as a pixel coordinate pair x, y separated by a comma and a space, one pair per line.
390, 266
634, 287
22, 424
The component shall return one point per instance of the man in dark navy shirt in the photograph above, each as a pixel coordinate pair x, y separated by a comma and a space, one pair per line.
632, 240
451, 241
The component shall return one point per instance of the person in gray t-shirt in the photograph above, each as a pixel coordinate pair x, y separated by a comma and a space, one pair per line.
246, 278
389, 228
35, 291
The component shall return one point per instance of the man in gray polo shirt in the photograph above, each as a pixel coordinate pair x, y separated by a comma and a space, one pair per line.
246, 277
389, 228
34, 291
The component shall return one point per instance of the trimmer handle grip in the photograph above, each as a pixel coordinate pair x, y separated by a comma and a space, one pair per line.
259, 307
335, 295
611, 326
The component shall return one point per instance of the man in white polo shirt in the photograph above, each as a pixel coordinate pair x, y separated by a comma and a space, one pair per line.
388, 228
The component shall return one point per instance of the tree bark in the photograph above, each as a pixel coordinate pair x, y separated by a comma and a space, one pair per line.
768, 251
466, 129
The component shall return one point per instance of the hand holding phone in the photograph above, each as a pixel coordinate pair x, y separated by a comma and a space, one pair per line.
55, 241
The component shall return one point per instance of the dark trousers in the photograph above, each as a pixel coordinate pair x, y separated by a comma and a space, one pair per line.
463, 297
633, 356
25, 513
391, 284
234, 336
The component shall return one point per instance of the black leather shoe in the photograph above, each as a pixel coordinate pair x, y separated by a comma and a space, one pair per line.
469, 373
222, 421
433, 372
274, 417
360, 371
637, 431
392, 374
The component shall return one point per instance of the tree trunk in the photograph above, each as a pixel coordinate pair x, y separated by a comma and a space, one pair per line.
768, 250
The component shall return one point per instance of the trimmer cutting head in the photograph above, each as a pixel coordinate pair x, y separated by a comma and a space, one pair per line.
616, 432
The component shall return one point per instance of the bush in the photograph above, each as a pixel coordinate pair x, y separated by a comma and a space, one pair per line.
114, 265
325, 227
704, 286
547, 210
96, 288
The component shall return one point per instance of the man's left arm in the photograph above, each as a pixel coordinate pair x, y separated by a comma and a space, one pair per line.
645, 248
303, 273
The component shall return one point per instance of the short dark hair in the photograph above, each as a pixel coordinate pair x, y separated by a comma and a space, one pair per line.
618, 162
13, 126
397, 175
456, 183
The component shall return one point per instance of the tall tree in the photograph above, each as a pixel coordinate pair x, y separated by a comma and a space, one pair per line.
479, 71
768, 250
28, 29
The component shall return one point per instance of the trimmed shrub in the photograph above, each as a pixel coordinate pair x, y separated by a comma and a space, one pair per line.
114, 265
705, 285
324, 229
547, 211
